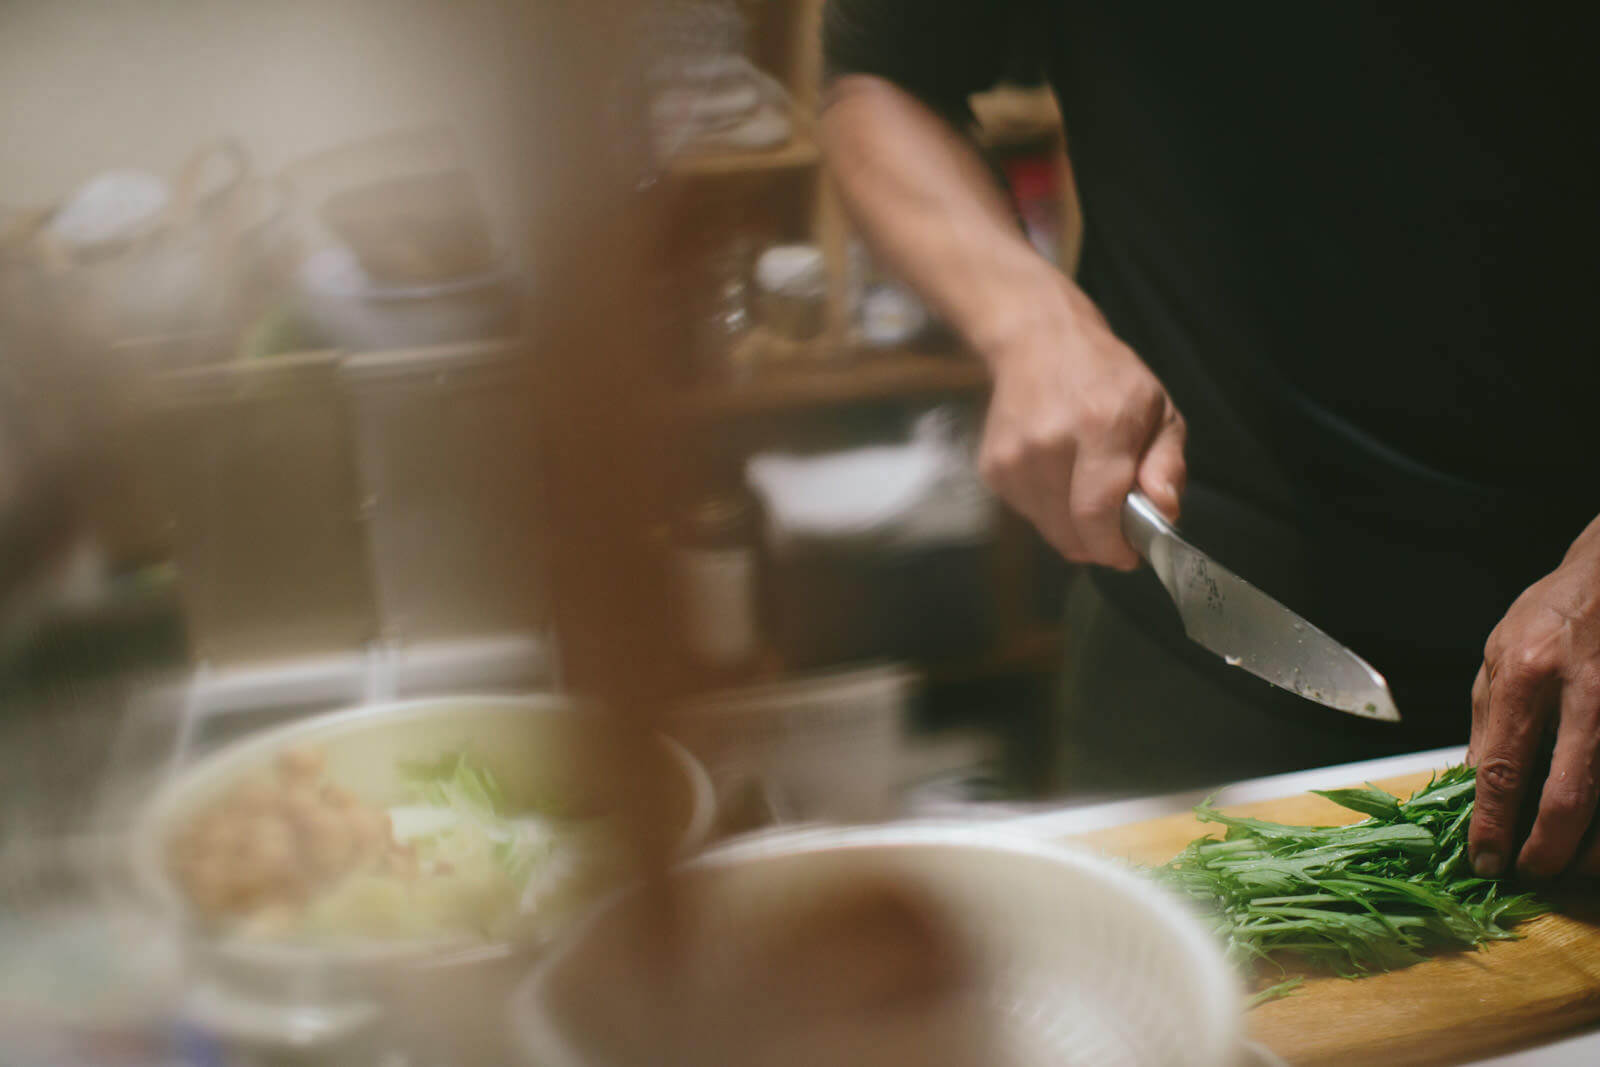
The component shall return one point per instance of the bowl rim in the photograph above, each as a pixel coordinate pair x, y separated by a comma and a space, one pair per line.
154, 884
538, 1039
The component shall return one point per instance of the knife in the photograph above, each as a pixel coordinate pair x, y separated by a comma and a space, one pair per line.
1227, 615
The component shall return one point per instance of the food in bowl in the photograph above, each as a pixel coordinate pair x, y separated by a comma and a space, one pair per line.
310, 978
292, 854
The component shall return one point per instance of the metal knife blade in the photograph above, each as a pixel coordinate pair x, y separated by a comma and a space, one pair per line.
1226, 614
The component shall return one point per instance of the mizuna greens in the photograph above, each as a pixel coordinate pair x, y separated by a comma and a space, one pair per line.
1372, 896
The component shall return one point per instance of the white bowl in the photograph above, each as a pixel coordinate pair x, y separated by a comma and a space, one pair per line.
1085, 962
303, 995
348, 310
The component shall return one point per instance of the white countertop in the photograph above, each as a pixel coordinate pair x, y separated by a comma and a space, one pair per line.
1580, 1050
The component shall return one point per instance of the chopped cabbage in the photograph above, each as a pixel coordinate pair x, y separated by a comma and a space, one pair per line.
480, 870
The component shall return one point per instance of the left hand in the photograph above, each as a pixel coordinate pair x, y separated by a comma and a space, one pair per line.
1541, 672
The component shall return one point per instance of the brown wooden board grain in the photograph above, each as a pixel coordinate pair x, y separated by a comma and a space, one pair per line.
1451, 1009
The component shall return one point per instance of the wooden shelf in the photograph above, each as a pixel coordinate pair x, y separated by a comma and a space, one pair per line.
824, 394
799, 153
867, 376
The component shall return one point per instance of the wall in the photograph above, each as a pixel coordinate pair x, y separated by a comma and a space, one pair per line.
94, 84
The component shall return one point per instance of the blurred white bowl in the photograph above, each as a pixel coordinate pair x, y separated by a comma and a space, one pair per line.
348, 310
1083, 961
302, 995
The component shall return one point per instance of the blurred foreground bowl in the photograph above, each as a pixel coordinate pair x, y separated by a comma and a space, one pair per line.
1075, 960
445, 990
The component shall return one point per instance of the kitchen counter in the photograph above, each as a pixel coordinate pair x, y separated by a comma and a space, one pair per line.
1571, 1051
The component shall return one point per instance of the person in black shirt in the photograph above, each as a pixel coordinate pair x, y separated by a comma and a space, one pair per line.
1334, 301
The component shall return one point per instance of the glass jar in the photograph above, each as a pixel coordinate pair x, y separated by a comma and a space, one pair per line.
728, 315
792, 291
718, 563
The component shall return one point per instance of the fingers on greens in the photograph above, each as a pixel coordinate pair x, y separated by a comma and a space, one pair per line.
1372, 896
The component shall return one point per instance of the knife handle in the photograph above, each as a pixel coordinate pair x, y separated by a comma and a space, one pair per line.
1142, 523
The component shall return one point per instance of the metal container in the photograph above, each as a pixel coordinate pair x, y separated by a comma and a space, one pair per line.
294, 996
717, 566
821, 747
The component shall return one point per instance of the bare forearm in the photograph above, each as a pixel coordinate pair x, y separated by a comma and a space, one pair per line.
932, 211
1076, 420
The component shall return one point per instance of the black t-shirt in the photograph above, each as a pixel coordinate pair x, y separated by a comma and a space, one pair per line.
1356, 242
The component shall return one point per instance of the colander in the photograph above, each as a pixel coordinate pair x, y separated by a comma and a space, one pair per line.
1083, 960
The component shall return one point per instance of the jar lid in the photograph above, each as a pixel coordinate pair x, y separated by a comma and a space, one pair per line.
792, 270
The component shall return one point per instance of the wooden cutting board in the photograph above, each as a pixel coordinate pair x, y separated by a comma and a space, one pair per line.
1452, 1009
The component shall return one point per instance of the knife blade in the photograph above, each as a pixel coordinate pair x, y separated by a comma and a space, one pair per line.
1248, 629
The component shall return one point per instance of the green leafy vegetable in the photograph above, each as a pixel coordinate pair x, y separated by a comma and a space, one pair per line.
1369, 801
529, 870
1275, 992
1372, 896
452, 782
